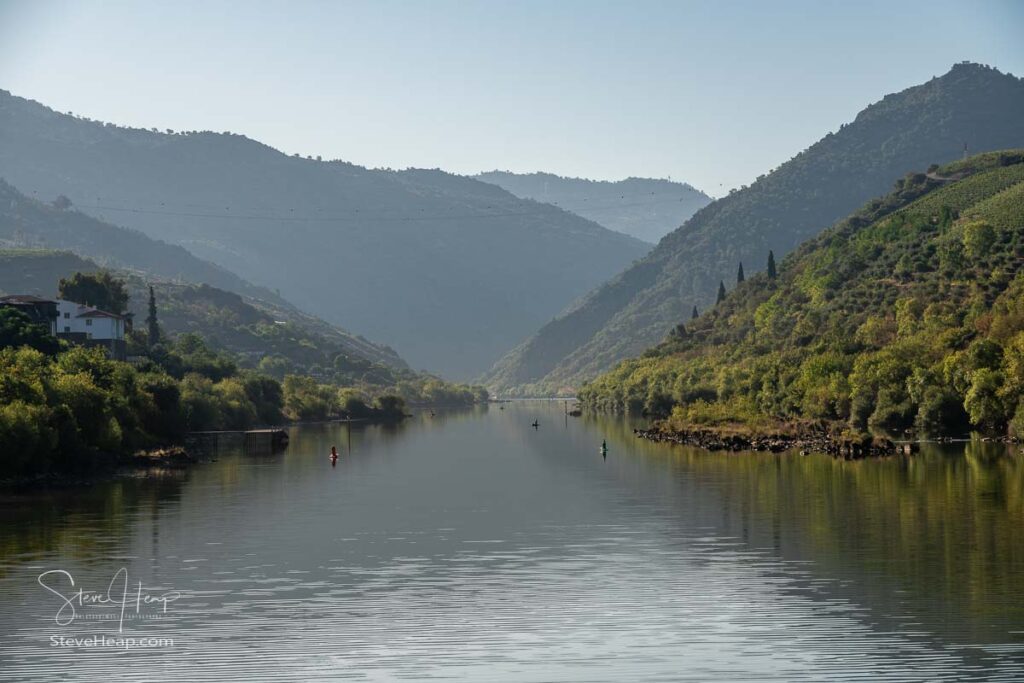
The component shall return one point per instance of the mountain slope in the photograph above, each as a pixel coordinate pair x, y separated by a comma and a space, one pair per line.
253, 329
27, 223
449, 270
905, 131
645, 208
908, 313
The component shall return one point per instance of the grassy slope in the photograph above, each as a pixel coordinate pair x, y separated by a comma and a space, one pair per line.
907, 313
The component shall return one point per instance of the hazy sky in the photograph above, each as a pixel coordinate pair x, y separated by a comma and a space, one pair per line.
713, 93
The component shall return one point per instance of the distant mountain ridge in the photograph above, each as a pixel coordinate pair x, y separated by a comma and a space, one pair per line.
40, 243
903, 132
448, 270
646, 208
30, 223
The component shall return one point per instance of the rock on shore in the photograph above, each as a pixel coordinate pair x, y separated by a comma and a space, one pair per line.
846, 447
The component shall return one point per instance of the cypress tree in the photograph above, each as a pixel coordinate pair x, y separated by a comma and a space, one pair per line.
739, 274
695, 313
721, 292
151, 323
771, 265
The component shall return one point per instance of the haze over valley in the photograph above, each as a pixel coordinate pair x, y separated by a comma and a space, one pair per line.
448, 270
471, 340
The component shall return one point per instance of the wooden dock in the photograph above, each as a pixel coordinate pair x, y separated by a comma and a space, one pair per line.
253, 441
272, 440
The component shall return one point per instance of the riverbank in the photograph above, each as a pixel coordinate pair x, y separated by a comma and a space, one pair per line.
809, 438
99, 467
93, 467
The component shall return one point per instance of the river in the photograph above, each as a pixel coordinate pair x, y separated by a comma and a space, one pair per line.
470, 546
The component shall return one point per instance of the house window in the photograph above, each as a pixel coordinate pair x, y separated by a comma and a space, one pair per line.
66, 315
88, 321
67, 329
88, 335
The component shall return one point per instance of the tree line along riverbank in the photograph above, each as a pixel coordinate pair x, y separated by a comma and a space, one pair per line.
67, 410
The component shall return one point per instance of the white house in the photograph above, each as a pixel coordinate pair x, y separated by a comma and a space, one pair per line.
91, 327
92, 322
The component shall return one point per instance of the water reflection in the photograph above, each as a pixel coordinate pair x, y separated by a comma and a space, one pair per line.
470, 545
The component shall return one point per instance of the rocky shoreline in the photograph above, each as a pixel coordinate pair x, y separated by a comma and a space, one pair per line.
845, 447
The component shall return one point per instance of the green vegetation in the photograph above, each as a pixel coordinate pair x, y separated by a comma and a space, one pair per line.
908, 314
100, 290
786, 206
17, 329
75, 409
68, 409
152, 322
255, 334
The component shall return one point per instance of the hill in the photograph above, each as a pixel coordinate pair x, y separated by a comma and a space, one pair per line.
449, 270
645, 208
27, 223
252, 330
909, 313
905, 131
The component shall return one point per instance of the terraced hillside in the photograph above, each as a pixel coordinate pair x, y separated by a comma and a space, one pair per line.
908, 314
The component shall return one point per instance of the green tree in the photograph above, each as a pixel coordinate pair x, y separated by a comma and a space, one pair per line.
266, 396
695, 314
390, 406
276, 366
739, 275
771, 265
979, 236
982, 401
17, 329
151, 321
100, 290
721, 293
305, 399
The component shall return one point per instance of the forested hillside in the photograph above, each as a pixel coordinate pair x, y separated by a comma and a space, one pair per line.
277, 336
448, 270
906, 131
646, 208
908, 314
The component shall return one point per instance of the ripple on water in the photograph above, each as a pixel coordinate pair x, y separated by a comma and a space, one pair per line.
607, 585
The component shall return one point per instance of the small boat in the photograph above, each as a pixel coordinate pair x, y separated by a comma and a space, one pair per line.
535, 424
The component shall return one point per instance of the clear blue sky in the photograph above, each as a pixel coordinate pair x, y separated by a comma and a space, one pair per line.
713, 93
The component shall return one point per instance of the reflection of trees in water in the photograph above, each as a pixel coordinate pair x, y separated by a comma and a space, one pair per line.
93, 521
936, 536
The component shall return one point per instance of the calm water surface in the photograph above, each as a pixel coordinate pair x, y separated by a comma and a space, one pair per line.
472, 547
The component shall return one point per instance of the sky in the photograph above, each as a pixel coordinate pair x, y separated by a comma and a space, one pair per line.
710, 93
